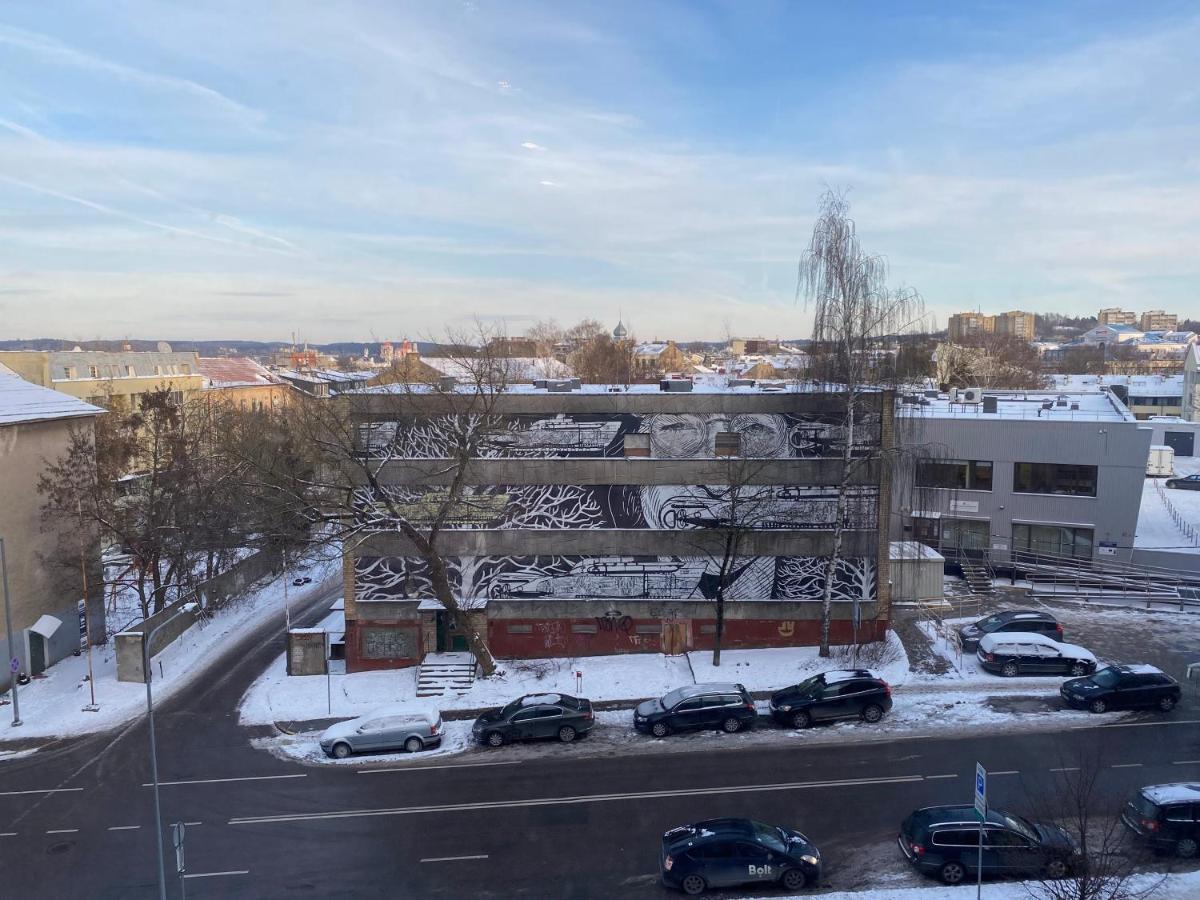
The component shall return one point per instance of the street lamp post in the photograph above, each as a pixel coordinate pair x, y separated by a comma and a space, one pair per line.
9, 632
147, 640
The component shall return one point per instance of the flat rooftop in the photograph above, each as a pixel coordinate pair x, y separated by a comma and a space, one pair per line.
1064, 406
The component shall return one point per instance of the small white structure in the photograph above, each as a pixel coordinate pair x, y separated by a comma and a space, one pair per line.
1161, 463
916, 571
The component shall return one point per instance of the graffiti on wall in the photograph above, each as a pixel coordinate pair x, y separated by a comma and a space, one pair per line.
671, 435
613, 577
667, 507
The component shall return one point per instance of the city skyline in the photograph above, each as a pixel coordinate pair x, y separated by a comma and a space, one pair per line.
393, 169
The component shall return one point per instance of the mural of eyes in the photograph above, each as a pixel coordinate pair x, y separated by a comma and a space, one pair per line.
763, 435
677, 436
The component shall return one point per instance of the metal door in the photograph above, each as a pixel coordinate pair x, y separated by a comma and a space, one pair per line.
37, 653
1182, 442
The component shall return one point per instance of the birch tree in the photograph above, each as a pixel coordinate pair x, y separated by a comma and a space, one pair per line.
854, 310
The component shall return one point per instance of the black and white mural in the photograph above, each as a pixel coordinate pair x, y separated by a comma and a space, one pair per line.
662, 506
614, 577
671, 435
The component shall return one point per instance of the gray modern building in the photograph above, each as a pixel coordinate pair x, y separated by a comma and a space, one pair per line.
1010, 472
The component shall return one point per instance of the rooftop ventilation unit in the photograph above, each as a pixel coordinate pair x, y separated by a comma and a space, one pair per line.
447, 383
990, 405
1047, 404
771, 386
932, 395
741, 382
539, 384
967, 395
675, 385
1062, 401
559, 387
1075, 407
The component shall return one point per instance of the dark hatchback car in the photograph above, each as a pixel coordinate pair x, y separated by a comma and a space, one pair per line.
1167, 817
725, 706
730, 852
1026, 620
943, 841
533, 717
1122, 687
842, 694
1187, 483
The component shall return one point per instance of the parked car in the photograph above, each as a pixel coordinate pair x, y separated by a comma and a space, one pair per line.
1123, 687
1166, 817
1029, 653
1187, 483
840, 694
385, 729
943, 841
725, 706
730, 852
1023, 620
533, 717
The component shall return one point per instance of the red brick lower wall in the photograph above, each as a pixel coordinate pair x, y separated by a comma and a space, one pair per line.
539, 638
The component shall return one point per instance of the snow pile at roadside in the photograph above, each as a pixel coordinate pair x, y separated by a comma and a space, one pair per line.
53, 706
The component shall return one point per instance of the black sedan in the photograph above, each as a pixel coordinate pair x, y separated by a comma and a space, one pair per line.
535, 716
1123, 687
730, 852
1188, 483
844, 694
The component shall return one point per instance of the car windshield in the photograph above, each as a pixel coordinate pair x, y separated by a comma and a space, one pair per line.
989, 623
673, 699
808, 685
1107, 677
770, 836
511, 708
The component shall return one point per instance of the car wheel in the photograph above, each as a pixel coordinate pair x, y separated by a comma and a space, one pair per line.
873, 713
414, 745
341, 751
1166, 704
566, 734
494, 739
659, 729
793, 879
953, 873
1098, 706
1056, 869
1186, 848
1010, 670
1078, 669
801, 719
693, 885
730, 725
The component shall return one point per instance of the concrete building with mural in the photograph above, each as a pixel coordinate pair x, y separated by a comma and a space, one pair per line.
593, 519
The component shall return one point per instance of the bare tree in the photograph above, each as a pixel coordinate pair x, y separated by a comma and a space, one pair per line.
854, 310
601, 360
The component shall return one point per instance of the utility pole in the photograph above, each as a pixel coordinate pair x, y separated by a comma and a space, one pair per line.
87, 613
14, 664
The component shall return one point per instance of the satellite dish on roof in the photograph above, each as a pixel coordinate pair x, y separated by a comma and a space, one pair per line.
164, 347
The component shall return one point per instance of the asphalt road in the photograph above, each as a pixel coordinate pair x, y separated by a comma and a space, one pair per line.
77, 820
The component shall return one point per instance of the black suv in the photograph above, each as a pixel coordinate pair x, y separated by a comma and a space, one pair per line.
843, 694
943, 841
729, 852
1027, 620
1167, 817
1122, 687
535, 716
724, 706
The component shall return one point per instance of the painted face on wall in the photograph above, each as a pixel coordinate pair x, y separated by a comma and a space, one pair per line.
689, 436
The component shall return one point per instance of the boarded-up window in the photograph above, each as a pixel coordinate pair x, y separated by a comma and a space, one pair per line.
637, 445
583, 629
647, 629
520, 629
728, 443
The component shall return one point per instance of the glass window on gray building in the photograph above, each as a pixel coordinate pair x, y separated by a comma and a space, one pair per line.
1054, 478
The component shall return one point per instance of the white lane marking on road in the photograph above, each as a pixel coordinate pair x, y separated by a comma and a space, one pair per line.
1008, 772
8, 834
586, 798
936, 777
46, 791
453, 858
217, 874
124, 827
222, 780
1066, 769
512, 762
189, 824
62, 831
1186, 762
1126, 766
1137, 724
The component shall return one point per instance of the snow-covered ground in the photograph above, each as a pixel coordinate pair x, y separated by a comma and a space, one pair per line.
1156, 530
277, 697
53, 706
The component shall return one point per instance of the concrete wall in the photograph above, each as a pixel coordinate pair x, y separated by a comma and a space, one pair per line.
129, 643
43, 566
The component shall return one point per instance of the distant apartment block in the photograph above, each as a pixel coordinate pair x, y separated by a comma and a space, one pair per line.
1159, 320
1015, 323
109, 379
1114, 315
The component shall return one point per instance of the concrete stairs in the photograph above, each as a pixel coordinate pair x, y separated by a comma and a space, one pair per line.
978, 575
445, 673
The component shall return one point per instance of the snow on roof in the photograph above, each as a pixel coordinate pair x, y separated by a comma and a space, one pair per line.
234, 371
22, 401
539, 699
1142, 669
513, 368
1094, 406
1180, 792
1160, 384
839, 675
901, 550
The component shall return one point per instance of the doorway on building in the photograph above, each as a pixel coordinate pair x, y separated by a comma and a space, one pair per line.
675, 637
37, 653
965, 537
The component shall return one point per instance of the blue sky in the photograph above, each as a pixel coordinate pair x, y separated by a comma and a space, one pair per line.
350, 170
